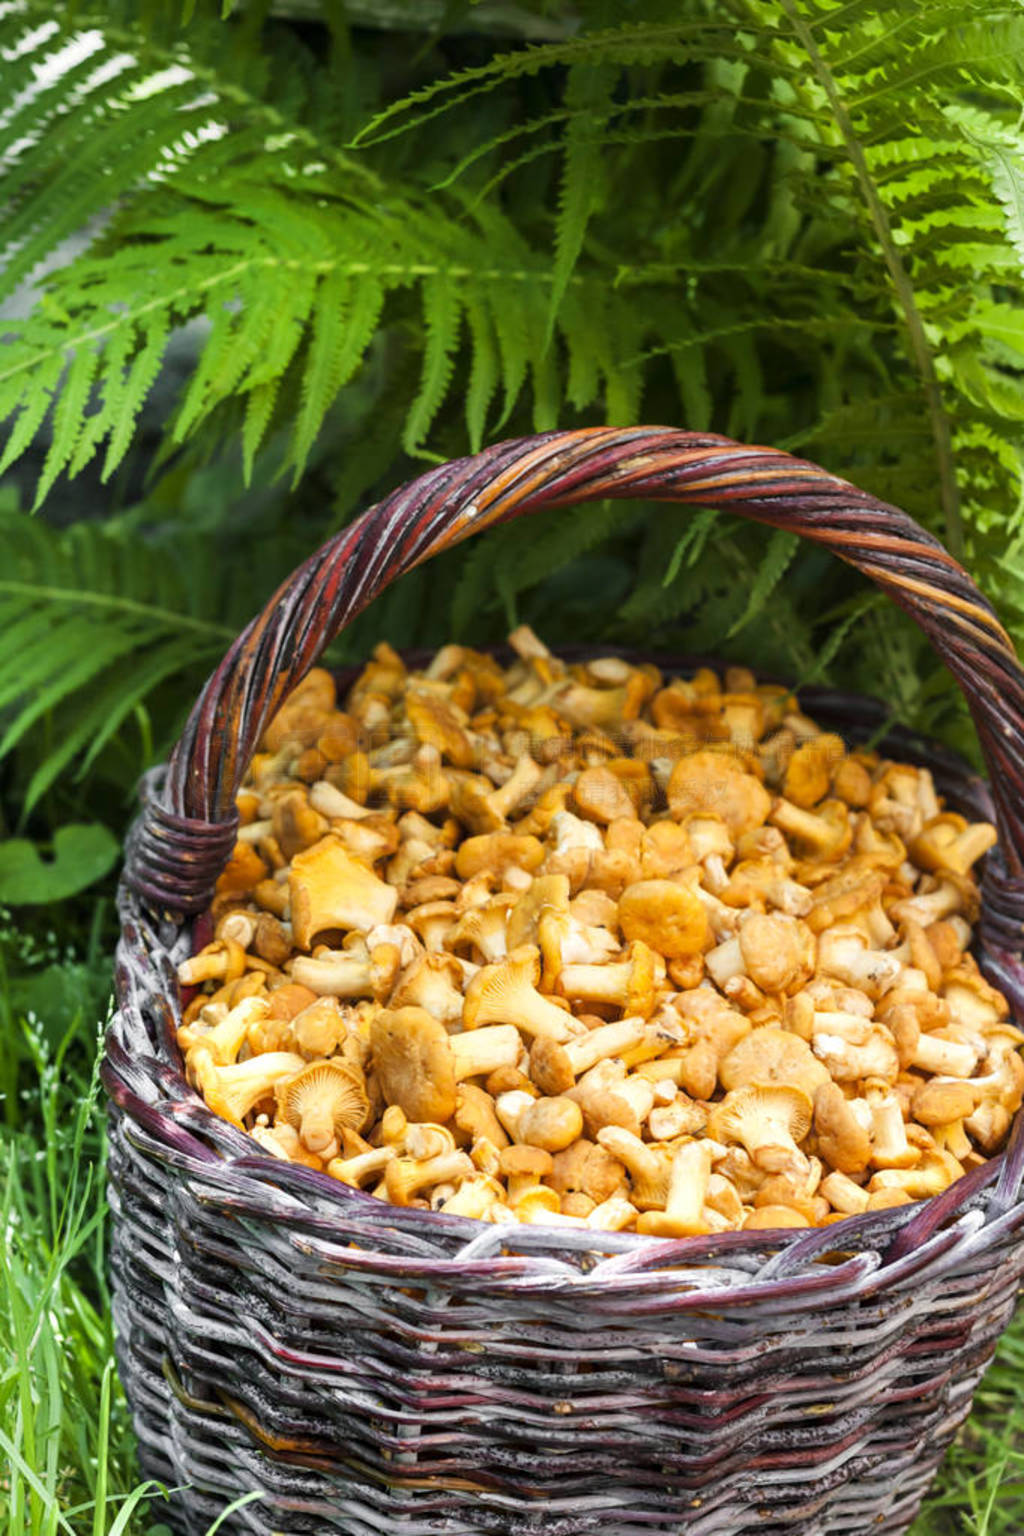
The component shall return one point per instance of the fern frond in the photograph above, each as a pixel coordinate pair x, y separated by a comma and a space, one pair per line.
514, 558
778, 557
323, 374
919, 343
674, 537
588, 95
69, 628
485, 371
638, 44
442, 312
1008, 181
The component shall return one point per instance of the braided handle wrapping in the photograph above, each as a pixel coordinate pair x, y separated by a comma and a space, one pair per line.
186, 832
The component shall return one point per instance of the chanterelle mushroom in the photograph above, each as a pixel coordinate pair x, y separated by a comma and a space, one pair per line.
666, 915
412, 1060
772, 1056
506, 994
717, 782
321, 1100
331, 889
770, 1120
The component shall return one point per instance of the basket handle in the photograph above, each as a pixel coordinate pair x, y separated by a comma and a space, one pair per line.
184, 837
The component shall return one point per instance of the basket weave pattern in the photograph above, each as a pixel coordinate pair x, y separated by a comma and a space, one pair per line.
370, 1369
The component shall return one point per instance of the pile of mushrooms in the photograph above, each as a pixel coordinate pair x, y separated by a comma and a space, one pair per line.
580, 944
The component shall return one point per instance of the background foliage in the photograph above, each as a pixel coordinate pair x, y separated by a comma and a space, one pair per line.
261, 264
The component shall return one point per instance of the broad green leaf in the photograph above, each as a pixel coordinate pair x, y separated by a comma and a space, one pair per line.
81, 854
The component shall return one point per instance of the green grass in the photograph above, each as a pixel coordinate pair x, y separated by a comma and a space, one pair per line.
66, 1450
65, 1439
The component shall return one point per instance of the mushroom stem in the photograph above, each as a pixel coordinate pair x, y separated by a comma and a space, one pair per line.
354, 1170
950, 1058
604, 1041
405, 1176
478, 1052
683, 1215
649, 1171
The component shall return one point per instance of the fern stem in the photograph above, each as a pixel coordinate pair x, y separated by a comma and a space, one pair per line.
70, 598
921, 351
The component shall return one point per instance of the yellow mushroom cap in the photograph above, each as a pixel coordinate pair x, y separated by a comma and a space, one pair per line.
497, 851
667, 915
769, 1055
719, 783
601, 796
777, 950
809, 771
521, 1161
322, 1100
331, 889
939, 1103
769, 1216
413, 1063
437, 725
319, 1029
552, 1123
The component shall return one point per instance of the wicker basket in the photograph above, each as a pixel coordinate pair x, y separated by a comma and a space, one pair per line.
376, 1370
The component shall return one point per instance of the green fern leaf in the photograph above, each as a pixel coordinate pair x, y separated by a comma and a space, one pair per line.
82, 655
32, 408
343, 346
441, 315
583, 324
1008, 181
70, 624
778, 557
673, 534
324, 362
120, 699
68, 419
588, 96
125, 393
259, 407
690, 545
545, 375
484, 370
689, 366
77, 185
97, 424
635, 44
620, 346
530, 552
509, 560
